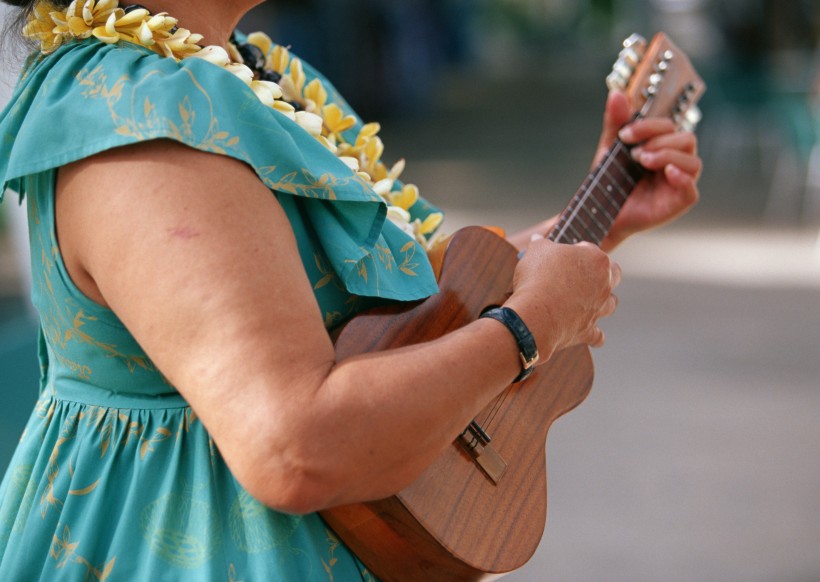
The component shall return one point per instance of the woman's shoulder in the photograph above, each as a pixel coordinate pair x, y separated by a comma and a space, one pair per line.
88, 97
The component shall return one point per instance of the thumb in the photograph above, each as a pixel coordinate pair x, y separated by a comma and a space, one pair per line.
616, 115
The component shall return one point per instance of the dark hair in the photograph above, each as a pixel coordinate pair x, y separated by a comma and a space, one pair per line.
27, 6
12, 28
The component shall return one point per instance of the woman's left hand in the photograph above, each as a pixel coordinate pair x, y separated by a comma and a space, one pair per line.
669, 189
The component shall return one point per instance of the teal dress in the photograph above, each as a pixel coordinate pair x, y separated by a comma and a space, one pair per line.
114, 477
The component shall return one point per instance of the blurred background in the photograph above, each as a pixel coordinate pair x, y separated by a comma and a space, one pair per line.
697, 455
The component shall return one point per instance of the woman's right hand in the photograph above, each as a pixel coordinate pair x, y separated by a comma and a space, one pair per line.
561, 291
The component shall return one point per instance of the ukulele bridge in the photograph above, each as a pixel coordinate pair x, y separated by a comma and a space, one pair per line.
476, 442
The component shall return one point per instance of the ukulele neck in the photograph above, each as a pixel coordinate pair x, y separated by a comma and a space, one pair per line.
590, 213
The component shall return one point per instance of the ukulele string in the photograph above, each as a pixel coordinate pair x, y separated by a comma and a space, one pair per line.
561, 232
567, 220
498, 403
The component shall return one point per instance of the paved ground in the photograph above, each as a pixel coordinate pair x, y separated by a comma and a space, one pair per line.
697, 455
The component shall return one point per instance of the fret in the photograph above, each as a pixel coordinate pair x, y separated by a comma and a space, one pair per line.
617, 186
592, 210
602, 207
615, 205
587, 219
578, 237
624, 171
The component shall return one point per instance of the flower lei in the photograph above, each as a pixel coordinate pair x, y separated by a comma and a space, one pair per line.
275, 76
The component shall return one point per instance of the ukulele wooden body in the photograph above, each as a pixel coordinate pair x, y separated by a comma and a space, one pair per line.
455, 522
480, 508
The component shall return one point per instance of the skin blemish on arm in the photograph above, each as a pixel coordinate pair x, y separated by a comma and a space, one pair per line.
183, 232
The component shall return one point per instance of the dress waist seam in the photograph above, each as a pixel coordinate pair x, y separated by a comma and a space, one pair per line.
118, 402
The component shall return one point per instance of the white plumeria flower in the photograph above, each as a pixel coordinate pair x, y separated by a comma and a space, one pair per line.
213, 54
242, 71
263, 92
350, 162
397, 169
145, 34
383, 187
267, 91
310, 122
274, 88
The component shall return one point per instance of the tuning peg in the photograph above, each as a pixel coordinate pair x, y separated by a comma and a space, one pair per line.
635, 41
620, 75
689, 120
633, 50
631, 56
614, 81
692, 118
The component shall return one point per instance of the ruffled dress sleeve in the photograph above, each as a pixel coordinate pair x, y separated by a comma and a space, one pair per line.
88, 97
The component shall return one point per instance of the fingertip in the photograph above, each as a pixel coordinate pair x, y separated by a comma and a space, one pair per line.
627, 134
676, 176
599, 339
616, 274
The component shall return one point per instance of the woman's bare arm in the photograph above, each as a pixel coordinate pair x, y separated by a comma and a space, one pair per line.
198, 260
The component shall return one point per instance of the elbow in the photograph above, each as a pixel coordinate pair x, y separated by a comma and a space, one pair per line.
296, 496
294, 486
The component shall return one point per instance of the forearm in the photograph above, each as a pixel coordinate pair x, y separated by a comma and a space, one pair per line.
376, 421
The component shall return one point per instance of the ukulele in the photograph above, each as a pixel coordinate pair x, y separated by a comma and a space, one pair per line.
480, 508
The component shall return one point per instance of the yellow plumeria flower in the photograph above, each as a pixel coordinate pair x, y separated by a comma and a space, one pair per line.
81, 19
279, 59
261, 41
431, 223
406, 197
367, 131
315, 96
181, 44
336, 121
41, 27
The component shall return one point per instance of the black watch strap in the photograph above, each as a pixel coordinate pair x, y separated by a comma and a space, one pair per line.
527, 350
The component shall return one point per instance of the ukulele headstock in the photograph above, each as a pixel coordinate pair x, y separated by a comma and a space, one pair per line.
659, 80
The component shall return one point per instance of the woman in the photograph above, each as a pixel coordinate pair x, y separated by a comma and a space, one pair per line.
193, 416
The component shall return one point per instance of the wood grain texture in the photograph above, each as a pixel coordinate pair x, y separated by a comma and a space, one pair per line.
454, 523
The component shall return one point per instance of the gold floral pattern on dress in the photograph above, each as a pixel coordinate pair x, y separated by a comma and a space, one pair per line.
252, 529
19, 498
332, 545
64, 323
64, 551
328, 275
140, 118
305, 183
181, 529
147, 444
232, 574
